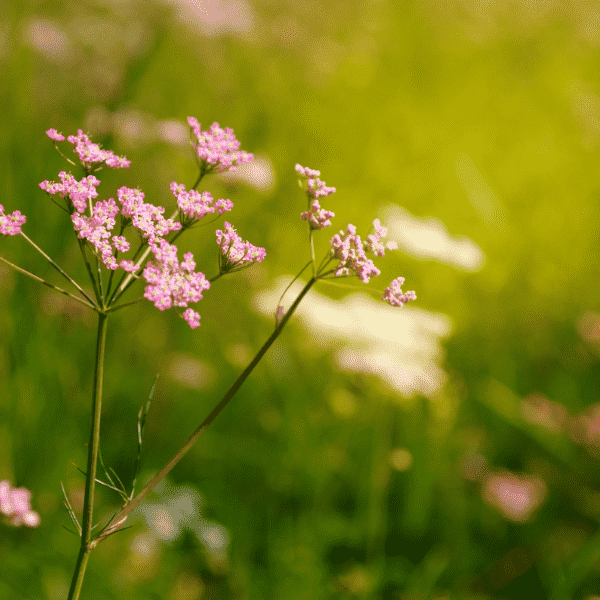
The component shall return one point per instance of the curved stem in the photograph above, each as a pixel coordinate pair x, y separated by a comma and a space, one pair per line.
121, 516
292, 282
90, 479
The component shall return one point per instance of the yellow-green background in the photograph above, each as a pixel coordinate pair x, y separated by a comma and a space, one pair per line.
382, 96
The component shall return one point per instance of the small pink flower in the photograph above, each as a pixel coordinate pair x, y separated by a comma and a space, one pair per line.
351, 252
317, 217
54, 135
78, 192
195, 205
235, 253
129, 266
15, 504
120, 243
172, 283
306, 172
348, 248
130, 200
149, 221
11, 224
90, 153
315, 188
394, 295
192, 317
218, 147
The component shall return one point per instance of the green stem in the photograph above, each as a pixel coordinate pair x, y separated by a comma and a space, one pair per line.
51, 285
312, 250
81, 244
121, 516
81, 291
90, 480
120, 306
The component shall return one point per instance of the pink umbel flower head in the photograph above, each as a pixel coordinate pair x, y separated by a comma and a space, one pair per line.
90, 154
15, 504
317, 217
54, 135
146, 218
194, 205
96, 230
309, 181
351, 251
217, 148
394, 295
172, 283
235, 253
131, 200
77, 193
11, 224
347, 247
192, 317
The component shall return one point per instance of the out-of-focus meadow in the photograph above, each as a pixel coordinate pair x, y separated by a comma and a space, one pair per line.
446, 450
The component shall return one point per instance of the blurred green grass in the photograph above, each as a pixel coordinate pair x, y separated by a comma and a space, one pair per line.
483, 115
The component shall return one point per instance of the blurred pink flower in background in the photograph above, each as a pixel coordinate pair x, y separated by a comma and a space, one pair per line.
539, 410
473, 466
584, 429
588, 327
15, 504
515, 497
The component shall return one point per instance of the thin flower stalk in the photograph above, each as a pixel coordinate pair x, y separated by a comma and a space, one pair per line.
65, 275
122, 515
50, 285
93, 448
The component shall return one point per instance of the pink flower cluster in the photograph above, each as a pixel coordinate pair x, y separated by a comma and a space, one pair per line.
317, 217
11, 224
88, 152
346, 246
394, 295
146, 218
350, 250
315, 188
15, 504
195, 205
235, 253
218, 147
173, 283
79, 193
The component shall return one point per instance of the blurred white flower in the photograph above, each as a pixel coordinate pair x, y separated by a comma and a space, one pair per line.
429, 238
403, 347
